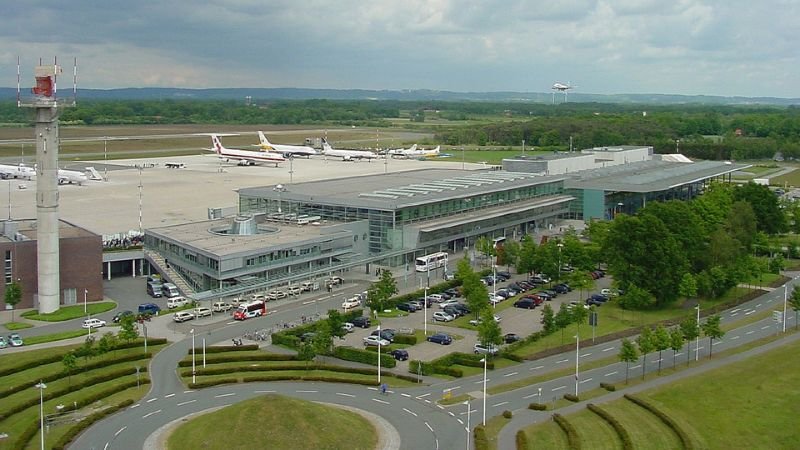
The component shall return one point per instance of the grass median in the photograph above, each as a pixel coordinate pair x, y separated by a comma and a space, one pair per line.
71, 312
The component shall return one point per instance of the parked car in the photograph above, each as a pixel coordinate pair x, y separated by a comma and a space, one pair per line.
441, 316
399, 354
485, 350
307, 336
449, 276
334, 281
526, 285
489, 281
504, 274
202, 312
510, 338
435, 298
154, 289
387, 334
407, 307
221, 307
93, 323
348, 327
561, 288
494, 299
464, 309
440, 338
476, 322
446, 303
3, 342
453, 311
182, 316
177, 302
15, 340
536, 299
609, 292
526, 303
375, 341
309, 286
420, 303
539, 279
351, 303
514, 289
552, 293
453, 292
544, 295
361, 322
118, 316
149, 308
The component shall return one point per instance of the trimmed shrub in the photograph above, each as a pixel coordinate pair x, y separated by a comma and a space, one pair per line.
285, 339
573, 440
508, 414
209, 383
480, 438
572, 397
685, 440
88, 421
357, 355
409, 339
608, 386
538, 406
218, 359
522, 440
227, 348
627, 444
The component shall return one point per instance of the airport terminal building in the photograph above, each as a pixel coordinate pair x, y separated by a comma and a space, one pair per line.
293, 233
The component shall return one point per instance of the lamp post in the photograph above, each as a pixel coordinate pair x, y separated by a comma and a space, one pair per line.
577, 360
425, 306
485, 361
560, 246
540, 395
523, 146
468, 430
105, 158
194, 379
379, 354
279, 189
85, 294
697, 340
41, 387
494, 286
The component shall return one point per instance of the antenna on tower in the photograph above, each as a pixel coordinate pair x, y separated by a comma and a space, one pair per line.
75, 79
19, 103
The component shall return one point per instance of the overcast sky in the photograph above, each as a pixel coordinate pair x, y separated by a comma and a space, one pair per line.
714, 47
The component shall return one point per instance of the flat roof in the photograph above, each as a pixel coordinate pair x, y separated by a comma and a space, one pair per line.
393, 191
198, 236
648, 176
27, 227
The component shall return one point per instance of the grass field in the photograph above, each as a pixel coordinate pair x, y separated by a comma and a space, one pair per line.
278, 423
791, 179
71, 312
750, 404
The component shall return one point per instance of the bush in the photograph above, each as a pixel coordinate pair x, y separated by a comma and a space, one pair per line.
228, 348
209, 383
522, 440
538, 406
627, 444
507, 414
608, 386
357, 355
687, 443
218, 359
480, 438
409, 339
572, 397
573, 440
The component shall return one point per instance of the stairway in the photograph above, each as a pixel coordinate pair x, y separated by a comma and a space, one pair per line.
168, 273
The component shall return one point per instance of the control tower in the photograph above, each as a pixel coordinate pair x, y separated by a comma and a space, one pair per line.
46, 105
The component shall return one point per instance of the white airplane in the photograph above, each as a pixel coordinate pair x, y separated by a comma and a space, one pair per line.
347, 155
244, 157
285, 149
21, 171
402, 152
561, 87
413, 152
71, 177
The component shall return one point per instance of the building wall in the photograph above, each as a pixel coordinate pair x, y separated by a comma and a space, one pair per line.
81, 266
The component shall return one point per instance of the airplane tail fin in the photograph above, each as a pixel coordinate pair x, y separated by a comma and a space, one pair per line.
413, 148
325, 145
265, 144
216, 145
436, 150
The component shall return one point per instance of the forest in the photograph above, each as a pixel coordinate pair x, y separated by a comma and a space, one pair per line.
717, 132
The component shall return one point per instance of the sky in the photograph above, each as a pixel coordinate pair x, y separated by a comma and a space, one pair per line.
711, 47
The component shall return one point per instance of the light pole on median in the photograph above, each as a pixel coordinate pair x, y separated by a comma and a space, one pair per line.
560, 246
468, 430
379, 355
41, 387
577, 361
85, 294
485, 362
697, 340
425, 306
194, 379
494, 286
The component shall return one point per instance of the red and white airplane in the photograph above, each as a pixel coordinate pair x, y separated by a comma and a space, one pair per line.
284, 149
244, 157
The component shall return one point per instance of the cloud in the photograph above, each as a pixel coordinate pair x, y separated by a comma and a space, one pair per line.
719, 47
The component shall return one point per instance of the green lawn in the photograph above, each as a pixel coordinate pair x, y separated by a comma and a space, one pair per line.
278, 423
545, 436
41, 339
11, 326
594, 432
71, 312
643, 427
791, 179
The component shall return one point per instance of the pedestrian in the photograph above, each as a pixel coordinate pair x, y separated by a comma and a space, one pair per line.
383, 388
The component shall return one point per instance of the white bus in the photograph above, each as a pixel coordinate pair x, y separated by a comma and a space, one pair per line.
248, 310
431, 262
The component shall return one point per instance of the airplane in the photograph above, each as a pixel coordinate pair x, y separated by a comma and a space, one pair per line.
402, 152
21, 171
244, 157
561, 87
286, 150
413, 152
347, 155
71, 177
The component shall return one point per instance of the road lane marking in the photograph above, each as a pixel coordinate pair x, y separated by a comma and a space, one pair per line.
608, 349
169, 395
736, 310
150, 414
306, 392
529, 396
451, 413
224, 395
263, 392
611, 373
499, 404
735, 337
135, 406
186, 402
460, 421
584, 356
152, 400
231, 323
471, 411
750, 332
766, 326
406, 395
562, 361
429, 427
345, 395
510, 374
423, 395
187, 392
586, 380
481, 381
380, 401
758, 305
636, 366
749, 312
454, 388
537, 367
558, 388
105, 447
120, 431
440, 407
410, 412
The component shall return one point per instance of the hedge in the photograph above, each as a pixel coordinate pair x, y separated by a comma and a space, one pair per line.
481, 440
608, 386
362, 356
685, 440
410, 339
428, 368
88, 421
572, 397
218, 359
226, 348
522, 440
573, 440
538, 406
299, 365
627, 443
209, 383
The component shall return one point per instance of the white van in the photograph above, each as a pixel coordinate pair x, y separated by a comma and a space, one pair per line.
177, 302
170, 290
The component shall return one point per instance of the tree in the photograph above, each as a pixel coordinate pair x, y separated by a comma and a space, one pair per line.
712, 330
548, 319
70, 362
579, 315
661, 341
676, 343
769, 217
580, 280
794, 301
335, 323
646, 345
562, 319
306, 352
127, 331
103, 344
13, 296
381, 291
87, 350
690, 330
527, 255
485, 247
489, 332
688, 286
511, 253
741, 224
323, 340
628, 354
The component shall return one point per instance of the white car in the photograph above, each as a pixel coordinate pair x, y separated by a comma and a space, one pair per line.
479, 320
93, 323
609, 292
202, 312
441, 316
348, 327
484, 350
435, 298
182, 316
294, 290
495, 299
177, 302
221, 307
351, 303
447, 303
375, 341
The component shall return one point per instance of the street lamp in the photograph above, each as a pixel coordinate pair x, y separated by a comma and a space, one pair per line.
494, 285
485, 361
577, 360
41, 387
467, 403
85, 294
425, 306
697, 340
194, 379
379, 354
560, 246
279, 189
